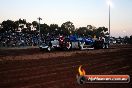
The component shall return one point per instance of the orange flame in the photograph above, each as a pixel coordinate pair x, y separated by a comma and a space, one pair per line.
81, 71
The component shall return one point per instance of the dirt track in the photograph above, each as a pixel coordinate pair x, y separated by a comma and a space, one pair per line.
30, 68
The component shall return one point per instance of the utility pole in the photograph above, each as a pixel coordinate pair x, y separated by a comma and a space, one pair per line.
39, 29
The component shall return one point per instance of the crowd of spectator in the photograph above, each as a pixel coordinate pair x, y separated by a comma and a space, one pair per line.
18, 39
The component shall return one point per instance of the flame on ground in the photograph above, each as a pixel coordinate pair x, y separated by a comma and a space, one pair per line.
81, 71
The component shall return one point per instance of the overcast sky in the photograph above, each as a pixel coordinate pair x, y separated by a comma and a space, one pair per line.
80, 12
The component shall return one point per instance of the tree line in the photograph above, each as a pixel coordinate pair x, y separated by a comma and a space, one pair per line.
67, 28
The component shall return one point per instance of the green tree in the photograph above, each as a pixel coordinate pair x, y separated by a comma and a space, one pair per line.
35, 24
90, 27
28, 25
130, 39
16, 26
91, 31
101, 31
44, 29
82, 31
22, 23
0, 28
54, 29
126, 39
7, 26
27, 29
68, 28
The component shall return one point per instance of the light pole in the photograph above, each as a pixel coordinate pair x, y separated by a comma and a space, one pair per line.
109, 21
109, 4
39, 30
